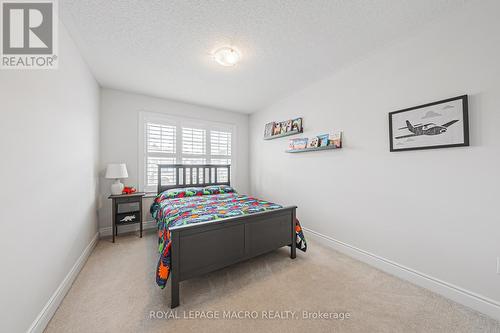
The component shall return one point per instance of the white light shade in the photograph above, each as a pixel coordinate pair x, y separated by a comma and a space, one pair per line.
115, 171
227, 56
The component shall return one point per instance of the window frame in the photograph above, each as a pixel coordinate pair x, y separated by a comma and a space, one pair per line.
179, 123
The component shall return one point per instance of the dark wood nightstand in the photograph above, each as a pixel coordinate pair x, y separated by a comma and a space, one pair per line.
127, 209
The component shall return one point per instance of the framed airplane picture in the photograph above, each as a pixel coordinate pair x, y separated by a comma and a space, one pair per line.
440, 124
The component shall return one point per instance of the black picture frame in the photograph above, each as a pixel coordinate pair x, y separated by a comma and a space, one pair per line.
464, 123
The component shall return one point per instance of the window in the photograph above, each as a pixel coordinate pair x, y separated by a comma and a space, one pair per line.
167, 140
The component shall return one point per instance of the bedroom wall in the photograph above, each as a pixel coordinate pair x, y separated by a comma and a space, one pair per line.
119, 140
49, 137
428, 214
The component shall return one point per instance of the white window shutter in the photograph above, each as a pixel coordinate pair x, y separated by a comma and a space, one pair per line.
160, 138
152, 171
160, 149
175, 140
220, 143
193, 141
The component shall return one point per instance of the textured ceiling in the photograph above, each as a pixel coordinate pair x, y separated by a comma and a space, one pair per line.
162, 47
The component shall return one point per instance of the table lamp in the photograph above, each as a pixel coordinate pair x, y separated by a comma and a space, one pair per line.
116, 172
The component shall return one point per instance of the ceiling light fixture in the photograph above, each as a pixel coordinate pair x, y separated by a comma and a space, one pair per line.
227, 56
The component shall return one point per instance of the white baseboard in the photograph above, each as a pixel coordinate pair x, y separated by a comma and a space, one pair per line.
458, 294
55, 300
106, 231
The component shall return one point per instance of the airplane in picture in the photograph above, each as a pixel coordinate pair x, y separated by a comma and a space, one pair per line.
425, 129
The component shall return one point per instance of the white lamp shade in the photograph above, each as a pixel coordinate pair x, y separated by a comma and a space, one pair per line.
115, 171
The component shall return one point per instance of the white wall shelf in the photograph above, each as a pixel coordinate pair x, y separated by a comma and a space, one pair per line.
311, 149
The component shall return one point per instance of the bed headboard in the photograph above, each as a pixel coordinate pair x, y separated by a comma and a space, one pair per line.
192, 175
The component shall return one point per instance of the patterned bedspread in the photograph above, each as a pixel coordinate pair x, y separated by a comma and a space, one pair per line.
181, 211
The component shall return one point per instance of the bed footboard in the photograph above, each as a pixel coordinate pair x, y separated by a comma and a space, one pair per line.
205, 247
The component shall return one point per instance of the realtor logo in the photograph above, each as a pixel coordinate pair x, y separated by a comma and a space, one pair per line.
29, 34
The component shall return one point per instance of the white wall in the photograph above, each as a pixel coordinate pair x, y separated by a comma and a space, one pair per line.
119, 138
49, 137
434, 211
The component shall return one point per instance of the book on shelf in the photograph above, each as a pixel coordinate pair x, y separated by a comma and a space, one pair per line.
335, 139
269, 129
277, 128
323, 140
313, 143
300, 143
283, 127
297, 125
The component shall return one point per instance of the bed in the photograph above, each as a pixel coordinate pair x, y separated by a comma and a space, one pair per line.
204, 225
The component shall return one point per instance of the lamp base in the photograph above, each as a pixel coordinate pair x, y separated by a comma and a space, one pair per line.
117, 187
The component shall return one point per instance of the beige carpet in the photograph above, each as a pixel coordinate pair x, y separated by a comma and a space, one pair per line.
116, 292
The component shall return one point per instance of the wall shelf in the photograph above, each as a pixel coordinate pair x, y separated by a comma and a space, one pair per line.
282, 135
311, 149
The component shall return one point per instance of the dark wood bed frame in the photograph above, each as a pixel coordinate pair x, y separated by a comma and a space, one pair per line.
208, 246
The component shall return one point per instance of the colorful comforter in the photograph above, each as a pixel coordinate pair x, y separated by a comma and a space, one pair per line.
188, 210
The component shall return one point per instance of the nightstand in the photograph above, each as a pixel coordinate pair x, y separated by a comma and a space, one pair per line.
127, 209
